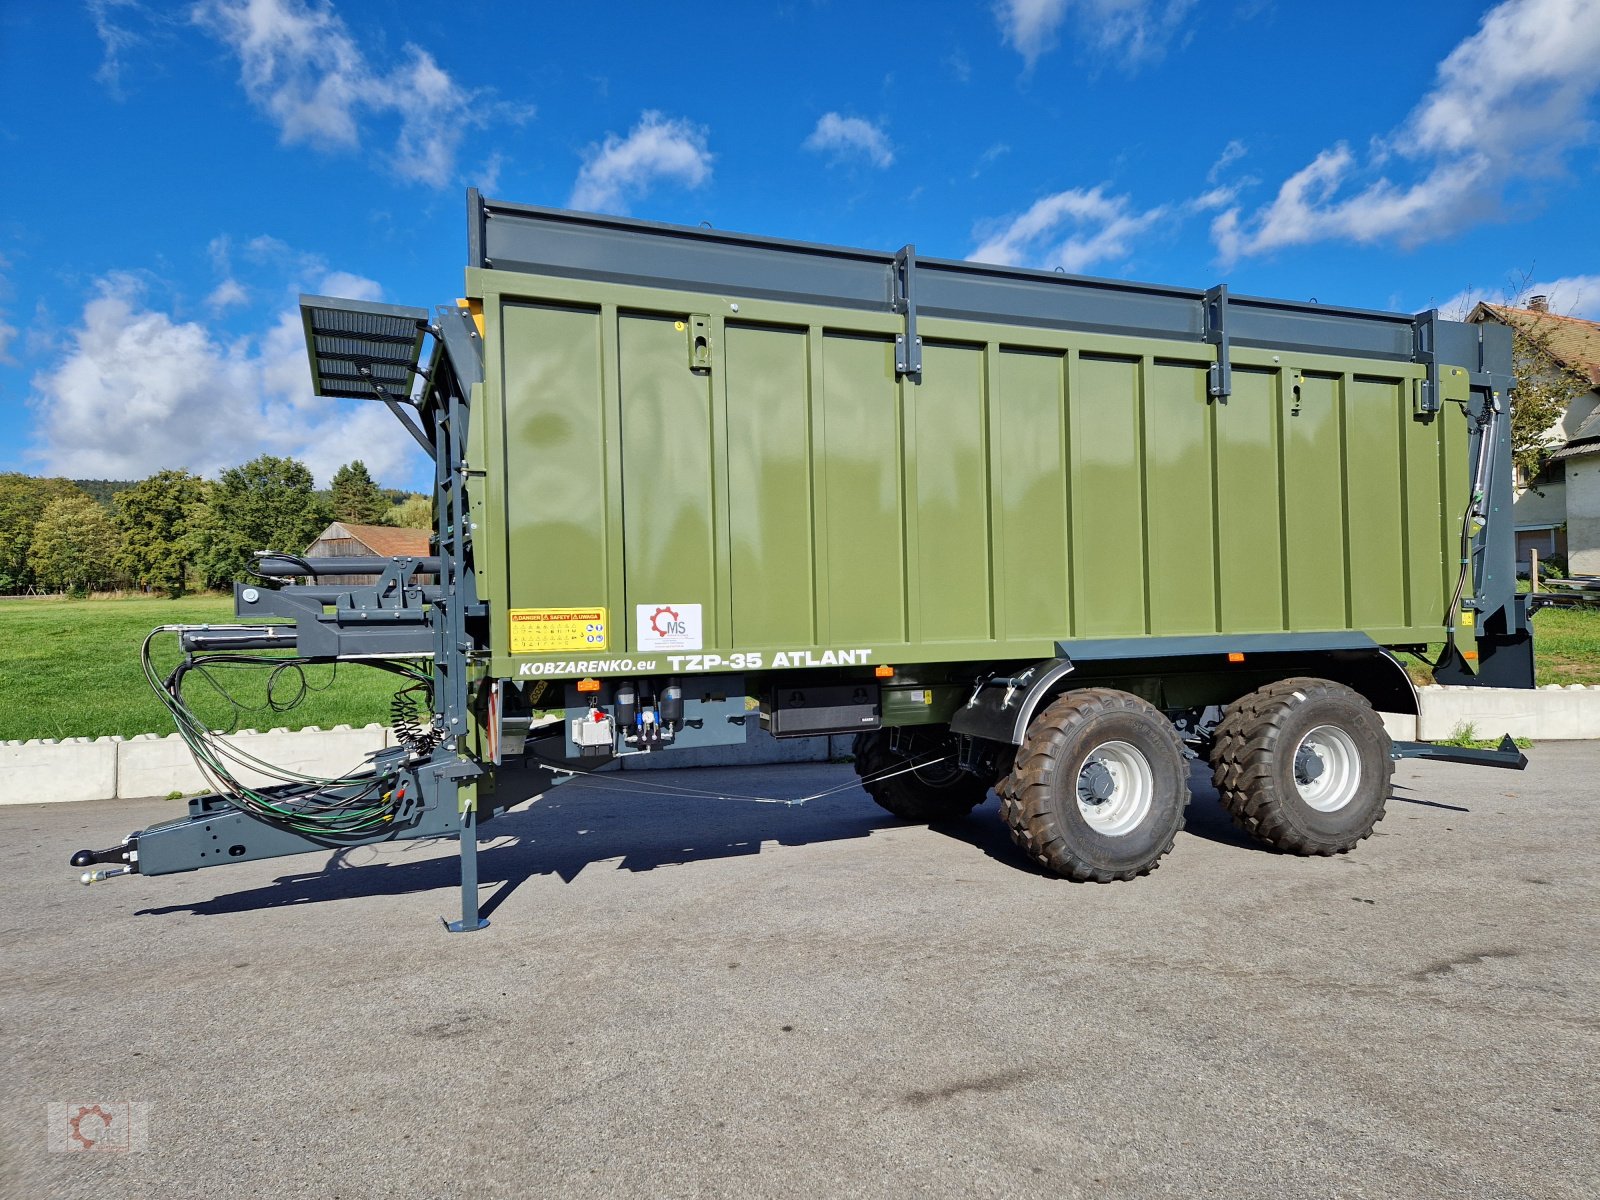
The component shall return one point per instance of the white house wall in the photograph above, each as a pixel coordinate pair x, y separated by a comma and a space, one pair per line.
1583, 514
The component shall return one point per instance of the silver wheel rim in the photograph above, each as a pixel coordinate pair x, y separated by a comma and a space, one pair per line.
1116, 788
1327, 768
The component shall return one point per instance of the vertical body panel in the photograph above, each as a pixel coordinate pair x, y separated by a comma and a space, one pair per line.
1031, 465
667, 504
952, 489
1250, 567
1373, 501
769, 485
1177, 438
1313, 504
1107, 499
1424, 513
1454, 429
555, 446
861, 453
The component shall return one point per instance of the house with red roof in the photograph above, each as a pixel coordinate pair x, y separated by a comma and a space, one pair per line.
1557, 511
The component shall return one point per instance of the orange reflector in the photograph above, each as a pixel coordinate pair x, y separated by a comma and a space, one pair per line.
884, 672
588, 685
1470, 655
1235, 656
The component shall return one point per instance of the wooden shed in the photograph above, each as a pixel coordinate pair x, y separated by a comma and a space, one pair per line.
344, 539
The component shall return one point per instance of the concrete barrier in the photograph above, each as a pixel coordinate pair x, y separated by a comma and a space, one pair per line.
148, 765
50, 771
158, 766
1550, 713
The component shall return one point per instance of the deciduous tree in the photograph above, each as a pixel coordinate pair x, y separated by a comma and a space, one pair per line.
268, 504
414, 512
155, 516
75, 546
23, 499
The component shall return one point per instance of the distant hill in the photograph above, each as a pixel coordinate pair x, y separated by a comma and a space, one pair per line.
104, 489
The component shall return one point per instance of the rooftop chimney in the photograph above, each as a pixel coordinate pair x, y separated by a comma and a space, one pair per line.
1539, 303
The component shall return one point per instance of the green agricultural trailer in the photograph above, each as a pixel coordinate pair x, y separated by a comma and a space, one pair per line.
1048, 535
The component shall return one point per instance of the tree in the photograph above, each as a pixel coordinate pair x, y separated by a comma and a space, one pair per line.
23, 499
267, 504
155, 516
1545, 389
356, 497
75, 545
414, 512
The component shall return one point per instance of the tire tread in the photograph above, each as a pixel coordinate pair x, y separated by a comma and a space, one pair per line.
1027, 806
1243, 751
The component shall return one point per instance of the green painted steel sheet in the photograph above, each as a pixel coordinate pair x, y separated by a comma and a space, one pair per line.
1034, 486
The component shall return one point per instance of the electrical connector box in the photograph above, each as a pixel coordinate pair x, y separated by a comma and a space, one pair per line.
594, 733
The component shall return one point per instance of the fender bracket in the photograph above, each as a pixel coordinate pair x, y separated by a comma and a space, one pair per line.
1001, 706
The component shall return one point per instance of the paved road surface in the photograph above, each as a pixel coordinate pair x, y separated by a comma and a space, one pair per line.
718, 998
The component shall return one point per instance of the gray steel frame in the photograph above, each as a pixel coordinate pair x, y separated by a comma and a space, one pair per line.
395, 617
551, 241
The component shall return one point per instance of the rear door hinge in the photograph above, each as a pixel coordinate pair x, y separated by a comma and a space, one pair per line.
907, 345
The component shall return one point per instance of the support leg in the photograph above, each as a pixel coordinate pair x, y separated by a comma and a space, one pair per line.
470, 920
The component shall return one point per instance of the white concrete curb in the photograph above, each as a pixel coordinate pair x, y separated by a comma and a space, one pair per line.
43, 772
1550, 713
112, 767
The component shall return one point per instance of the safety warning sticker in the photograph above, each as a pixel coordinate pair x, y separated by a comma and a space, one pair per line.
556, 630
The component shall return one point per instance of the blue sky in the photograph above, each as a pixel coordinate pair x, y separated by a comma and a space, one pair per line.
176, 173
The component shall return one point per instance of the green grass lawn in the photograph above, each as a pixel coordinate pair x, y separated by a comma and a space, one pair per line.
70, 668
1566, 645
1566, 648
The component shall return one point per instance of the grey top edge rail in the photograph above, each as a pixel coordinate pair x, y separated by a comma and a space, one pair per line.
575, 245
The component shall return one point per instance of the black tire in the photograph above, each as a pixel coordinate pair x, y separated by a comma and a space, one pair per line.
1065, 751
1273, 747
938, 792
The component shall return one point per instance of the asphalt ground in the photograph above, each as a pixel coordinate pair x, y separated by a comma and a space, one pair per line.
720, 998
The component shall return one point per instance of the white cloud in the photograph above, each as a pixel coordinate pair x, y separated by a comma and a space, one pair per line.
1132, 30
487, 177
1569, 296
1507, 104
1072, 230
299, 64
1231, 153
350, 287
115, 40
847, 137
658, 148
230, 293
136, 390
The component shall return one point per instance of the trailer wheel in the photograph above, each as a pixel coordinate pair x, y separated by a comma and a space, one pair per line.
1303, 765
939, 791
1099, 787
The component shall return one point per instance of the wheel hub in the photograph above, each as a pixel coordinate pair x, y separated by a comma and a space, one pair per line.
1308, 765
1095, 784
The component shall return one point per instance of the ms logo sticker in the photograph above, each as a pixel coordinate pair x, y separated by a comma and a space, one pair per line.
667, 627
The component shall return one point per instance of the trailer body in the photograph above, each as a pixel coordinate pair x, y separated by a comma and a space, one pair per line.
762, 463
